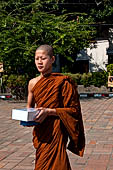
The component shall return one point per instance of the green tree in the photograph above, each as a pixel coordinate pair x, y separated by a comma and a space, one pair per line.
103, 12
27, 24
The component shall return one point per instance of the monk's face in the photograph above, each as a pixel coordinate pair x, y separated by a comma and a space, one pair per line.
43, 61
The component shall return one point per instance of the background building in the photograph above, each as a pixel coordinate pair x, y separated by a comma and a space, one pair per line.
99, 55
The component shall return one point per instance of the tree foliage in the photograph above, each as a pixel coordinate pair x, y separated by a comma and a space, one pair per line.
103, 12
26, 24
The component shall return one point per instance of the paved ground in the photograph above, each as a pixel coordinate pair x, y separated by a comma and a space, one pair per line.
17, 152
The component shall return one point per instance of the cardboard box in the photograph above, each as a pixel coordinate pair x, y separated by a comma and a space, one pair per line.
24, 114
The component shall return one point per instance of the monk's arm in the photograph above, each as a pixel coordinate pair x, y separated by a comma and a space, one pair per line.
43, 113
30, 99
52, 112
71, 117
71, 105
70, 99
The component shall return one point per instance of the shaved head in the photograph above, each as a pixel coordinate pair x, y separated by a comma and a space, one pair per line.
46, 48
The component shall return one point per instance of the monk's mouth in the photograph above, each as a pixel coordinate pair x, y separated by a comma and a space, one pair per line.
40, 67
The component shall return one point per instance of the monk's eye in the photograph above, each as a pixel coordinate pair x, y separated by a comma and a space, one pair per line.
37, 58
43, 58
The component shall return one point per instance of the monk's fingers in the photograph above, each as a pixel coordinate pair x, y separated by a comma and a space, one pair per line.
40, 119
40, 108
38, 115
38, 111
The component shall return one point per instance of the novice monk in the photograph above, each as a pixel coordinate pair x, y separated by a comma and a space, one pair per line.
56, 96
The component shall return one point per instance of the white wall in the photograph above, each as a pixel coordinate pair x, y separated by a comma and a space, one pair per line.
97, 56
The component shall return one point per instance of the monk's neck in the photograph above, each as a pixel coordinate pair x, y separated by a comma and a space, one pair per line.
45, 74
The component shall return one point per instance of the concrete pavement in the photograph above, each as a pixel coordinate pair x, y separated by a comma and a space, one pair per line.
17, 152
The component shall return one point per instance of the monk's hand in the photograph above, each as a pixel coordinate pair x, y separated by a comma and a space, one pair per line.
43, 113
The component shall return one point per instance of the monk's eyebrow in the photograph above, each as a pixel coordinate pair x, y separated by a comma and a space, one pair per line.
39, 56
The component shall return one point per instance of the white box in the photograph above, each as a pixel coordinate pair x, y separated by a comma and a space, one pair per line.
24, 114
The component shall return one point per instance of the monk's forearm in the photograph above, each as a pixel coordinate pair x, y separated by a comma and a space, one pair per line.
29, 106
52, 112
70, 111
57, 111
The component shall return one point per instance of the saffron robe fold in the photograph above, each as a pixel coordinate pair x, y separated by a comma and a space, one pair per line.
51, 136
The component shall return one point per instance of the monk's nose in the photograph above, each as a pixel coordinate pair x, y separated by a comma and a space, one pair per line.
40, 60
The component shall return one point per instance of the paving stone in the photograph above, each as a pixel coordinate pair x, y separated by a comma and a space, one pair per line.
18, 153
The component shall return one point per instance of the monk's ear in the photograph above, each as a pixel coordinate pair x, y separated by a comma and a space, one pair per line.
53, 59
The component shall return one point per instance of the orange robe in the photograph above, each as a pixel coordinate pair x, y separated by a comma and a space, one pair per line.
51, 136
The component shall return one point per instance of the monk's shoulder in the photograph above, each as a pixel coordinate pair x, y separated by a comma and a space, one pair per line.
33, 81
59, 76
62, 77
65, 79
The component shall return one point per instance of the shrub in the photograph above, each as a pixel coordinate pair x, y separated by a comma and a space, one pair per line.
110, 69
17, 85
99, 79
4, 84
86, 79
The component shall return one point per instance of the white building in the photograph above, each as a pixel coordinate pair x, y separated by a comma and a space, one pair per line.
97, 54
96, 57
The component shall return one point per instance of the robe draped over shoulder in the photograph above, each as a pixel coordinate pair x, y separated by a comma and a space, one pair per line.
50, 137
